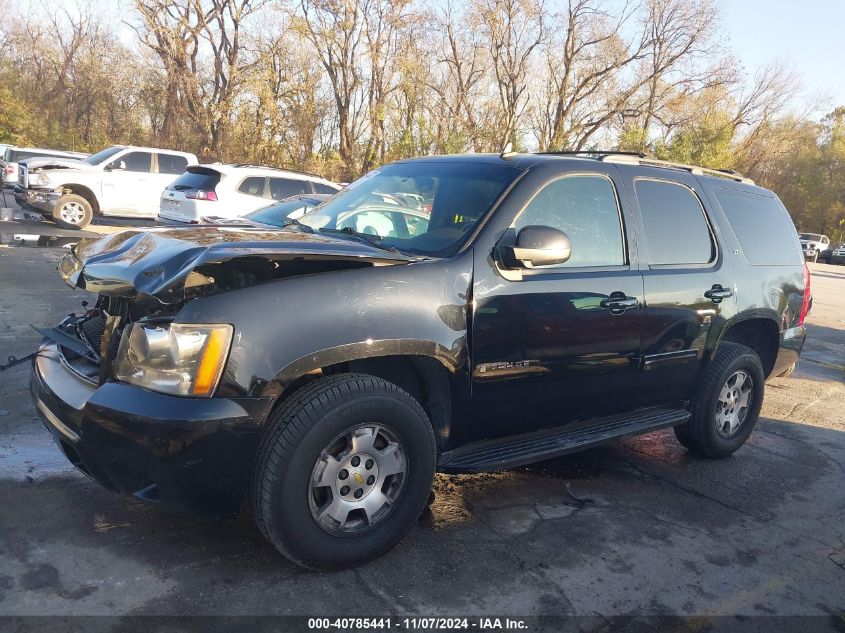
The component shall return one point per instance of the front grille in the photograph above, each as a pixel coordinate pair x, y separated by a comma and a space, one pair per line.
92, 331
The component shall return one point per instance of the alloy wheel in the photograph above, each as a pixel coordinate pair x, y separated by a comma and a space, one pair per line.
734, 403
357, 479
72, 212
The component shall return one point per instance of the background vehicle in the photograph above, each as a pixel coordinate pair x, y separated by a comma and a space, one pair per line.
12, 156
815, 246
231, 191
120, 180
837, 255
489, 337
278, 214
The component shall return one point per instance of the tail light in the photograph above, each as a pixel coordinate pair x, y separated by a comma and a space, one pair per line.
9, 169
201, 194
805, 305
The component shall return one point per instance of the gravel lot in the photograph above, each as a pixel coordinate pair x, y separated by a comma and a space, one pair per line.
634, 527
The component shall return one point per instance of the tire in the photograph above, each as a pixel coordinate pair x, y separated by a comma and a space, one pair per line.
295, 514
708, 433
72, 212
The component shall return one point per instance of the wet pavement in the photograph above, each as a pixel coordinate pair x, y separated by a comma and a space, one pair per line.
635, 527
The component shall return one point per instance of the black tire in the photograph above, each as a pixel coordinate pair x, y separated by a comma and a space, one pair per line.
700, 434
299, 430
81, 214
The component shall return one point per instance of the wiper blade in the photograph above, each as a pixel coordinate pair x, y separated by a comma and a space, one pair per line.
372, 240
294, 222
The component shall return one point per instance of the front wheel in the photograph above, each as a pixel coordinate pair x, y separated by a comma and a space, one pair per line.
73, 212
343, 472
727, 405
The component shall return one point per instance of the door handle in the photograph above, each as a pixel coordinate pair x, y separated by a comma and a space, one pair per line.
717, 293
618, 302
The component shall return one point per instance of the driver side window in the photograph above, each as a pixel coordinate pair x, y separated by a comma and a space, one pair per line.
585, 208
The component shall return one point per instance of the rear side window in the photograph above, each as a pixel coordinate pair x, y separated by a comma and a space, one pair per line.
171, 164
197, 178
252, 186
585, 208
676, 230
762, 227
281, 188
321, 188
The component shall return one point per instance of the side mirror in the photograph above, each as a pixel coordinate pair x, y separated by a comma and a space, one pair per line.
118, 164
537, 246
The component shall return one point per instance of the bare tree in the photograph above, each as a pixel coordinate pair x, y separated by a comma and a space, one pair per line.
513, 29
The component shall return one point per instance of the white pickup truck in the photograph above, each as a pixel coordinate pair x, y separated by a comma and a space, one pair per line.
121, 180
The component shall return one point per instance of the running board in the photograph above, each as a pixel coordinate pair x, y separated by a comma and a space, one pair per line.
523, 449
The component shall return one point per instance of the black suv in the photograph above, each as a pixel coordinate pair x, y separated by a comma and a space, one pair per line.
452, 313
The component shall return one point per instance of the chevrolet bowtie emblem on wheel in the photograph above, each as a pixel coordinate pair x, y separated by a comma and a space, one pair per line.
358, 478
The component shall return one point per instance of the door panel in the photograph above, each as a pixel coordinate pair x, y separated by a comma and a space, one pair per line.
547, 347
688, 280
128, 187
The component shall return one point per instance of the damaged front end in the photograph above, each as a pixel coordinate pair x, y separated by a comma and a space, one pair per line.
170, 266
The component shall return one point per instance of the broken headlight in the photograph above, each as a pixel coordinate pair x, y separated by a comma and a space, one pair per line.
175, 358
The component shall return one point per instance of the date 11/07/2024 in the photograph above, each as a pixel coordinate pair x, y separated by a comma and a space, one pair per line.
416, 623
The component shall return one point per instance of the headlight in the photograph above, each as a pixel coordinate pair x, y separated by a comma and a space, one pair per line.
37, 179
176, 358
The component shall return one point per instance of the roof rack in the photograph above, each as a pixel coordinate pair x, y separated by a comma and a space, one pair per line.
629, 159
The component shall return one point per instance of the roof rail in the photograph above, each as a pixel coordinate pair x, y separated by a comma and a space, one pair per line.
628, 159
590, 152
293, 171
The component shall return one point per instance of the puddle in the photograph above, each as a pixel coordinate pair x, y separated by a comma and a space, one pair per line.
36, 241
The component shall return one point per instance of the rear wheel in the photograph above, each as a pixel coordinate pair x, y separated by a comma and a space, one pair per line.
727, 405
73, 212
343, 472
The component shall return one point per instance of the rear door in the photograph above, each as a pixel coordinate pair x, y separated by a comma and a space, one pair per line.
688, 279
168, 168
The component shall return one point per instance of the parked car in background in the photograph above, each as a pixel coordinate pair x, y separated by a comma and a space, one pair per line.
837, 255
324, 371
231, 191
120, 180
815, 246
276, 215
12, 157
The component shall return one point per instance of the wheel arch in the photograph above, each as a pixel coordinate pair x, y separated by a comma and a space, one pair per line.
760, 332
85, 192
426, 370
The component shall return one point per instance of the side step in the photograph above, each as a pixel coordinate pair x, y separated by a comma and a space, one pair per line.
523, 449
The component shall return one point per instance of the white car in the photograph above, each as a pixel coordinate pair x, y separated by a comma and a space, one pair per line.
815, 246
231, 191
11, 157
121, 180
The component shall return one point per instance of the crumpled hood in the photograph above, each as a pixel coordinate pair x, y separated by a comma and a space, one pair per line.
163, 263
33, 164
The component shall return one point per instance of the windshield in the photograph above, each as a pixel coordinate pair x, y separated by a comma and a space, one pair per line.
102, 155
283, 212
422, 207
810, 236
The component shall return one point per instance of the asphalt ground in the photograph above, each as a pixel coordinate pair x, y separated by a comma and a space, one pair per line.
638, 527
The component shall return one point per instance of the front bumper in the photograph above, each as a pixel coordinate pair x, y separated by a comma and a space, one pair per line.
33, 198
189, 455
